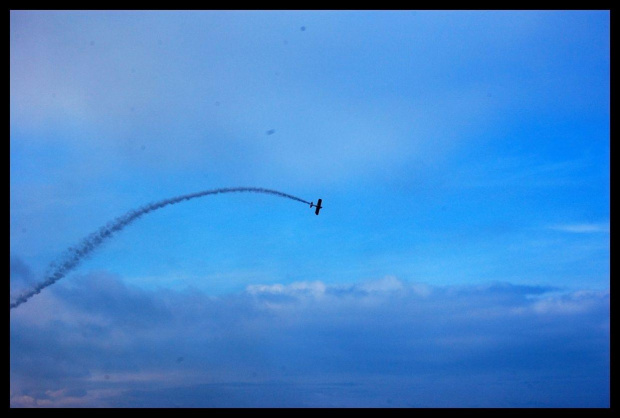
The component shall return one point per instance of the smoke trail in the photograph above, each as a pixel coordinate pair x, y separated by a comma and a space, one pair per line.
74, 255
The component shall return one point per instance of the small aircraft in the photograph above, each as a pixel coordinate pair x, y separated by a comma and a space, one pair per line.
317, 206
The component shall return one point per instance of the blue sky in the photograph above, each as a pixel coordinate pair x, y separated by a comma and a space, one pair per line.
463, 161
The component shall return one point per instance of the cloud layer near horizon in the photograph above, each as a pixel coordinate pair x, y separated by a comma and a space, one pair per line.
97, 341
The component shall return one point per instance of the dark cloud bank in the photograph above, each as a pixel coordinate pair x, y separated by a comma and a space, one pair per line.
97, 341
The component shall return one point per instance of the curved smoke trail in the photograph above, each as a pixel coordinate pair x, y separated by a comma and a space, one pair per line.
74, 255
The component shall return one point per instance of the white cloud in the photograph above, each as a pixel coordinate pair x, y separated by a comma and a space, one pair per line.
315, 288
386, 284
582, 228
577, 302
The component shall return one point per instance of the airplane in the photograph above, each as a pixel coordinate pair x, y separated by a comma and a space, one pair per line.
317, 206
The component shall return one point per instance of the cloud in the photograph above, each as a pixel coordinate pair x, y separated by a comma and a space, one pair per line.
20, 272
582, 228
128, 89
96, 341
21, 276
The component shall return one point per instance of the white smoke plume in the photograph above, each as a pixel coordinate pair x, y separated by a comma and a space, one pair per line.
74, 255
